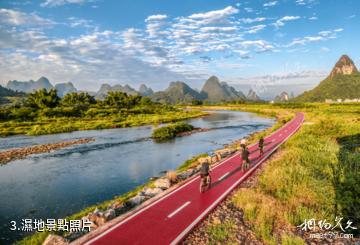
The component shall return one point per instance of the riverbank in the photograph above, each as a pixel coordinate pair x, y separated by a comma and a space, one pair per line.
305, 180
21, 153
189, 168
104, 119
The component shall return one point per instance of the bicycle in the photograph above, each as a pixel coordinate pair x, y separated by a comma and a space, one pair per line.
205, 183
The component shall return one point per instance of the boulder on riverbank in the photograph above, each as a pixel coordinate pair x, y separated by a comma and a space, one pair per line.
151, 192
136, 200
162, 183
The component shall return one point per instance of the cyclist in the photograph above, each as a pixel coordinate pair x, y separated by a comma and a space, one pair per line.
204, 170
245, 157
205, 176
261, 146
243, 144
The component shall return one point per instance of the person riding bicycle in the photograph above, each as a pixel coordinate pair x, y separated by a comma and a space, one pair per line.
205, 182
261, 146
204, 170
245, 157
243, 143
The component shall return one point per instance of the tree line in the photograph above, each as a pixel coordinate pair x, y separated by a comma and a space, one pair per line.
47, 103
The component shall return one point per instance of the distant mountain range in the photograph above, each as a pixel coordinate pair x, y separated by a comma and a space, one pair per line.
106, 88
342, 83
213, 91
283, 97
42, 82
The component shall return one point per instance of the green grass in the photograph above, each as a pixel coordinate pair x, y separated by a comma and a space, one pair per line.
96, 119
221, 233
190, 162
315, 175
171, 131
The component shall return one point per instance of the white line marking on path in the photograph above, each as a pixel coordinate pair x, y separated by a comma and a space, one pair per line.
95, 238
179, 209
222, 177
187, 229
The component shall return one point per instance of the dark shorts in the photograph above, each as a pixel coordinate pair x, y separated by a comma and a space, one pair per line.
204, 175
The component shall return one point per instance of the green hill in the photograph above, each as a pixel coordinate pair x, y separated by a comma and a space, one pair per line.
6, 93
342, 83
177, 92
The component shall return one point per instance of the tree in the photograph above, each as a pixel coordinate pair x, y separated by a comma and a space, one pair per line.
121, 99
43, 99
83, 98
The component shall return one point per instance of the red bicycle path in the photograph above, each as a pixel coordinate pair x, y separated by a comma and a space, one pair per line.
169, 219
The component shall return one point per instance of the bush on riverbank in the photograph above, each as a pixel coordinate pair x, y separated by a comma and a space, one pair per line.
171, 131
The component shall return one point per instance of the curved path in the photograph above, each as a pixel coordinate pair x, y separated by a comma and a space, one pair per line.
170, 218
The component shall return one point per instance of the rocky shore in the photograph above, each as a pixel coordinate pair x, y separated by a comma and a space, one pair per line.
21, 153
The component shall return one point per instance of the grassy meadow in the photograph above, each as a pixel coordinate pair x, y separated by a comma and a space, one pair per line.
42, 112
315, 174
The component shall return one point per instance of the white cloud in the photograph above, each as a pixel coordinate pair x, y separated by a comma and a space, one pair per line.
313, 18
304, 2
260, 45
164, 48
17, 18
281, 22
321, 36
78, 22
249, 20
270, 4
249, 10
218, 29
55, 3
156, 17
215, 13
255, 29
215, 16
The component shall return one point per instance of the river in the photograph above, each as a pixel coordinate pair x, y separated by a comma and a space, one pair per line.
60, 183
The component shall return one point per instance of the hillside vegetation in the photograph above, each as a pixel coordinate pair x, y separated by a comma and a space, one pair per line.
338, 87
343, 82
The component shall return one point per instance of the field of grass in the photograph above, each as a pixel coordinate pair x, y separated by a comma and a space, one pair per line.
316, 174
96, 119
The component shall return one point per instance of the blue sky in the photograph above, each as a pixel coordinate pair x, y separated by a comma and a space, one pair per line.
269, 46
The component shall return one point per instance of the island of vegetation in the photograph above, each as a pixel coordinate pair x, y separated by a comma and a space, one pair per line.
43, 112
171, 131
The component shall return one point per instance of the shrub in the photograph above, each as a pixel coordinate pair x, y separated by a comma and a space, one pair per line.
171, 131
